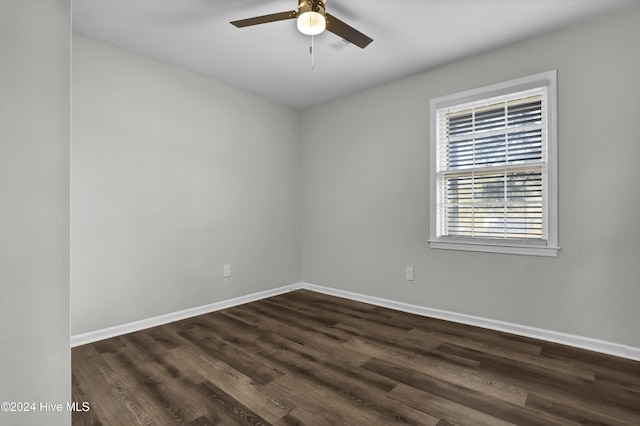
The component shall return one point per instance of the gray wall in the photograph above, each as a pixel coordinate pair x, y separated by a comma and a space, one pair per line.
174, 175
365, 202
34, 207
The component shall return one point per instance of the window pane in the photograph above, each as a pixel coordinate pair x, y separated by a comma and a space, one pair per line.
524, 221
525, 111
459, 189
460, 154
489, 118
508, 132
459, 220
524, 186
490, 150
500, 204
525, 146
460, 123
489, 188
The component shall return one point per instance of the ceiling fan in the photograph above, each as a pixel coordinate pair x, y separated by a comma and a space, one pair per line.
312, 20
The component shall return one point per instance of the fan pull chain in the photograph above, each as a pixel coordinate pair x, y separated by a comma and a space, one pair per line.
311, 53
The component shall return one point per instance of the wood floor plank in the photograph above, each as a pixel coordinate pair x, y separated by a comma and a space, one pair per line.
582, 412
472, 336
117, 405
143, 366
358, 386
226, 348
282, 333
230, 406
342, 311
408, 345
82, 417
470, 378
358, 318
319, 325
448, 329
233, 383
537, 379
447, 411
305, 358
470, 398
521, 365
535, 361
160, 403
319, 401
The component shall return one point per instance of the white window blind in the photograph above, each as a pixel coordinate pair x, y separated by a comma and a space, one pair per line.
491, 177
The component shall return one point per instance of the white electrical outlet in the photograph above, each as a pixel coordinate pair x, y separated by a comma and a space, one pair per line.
226, 271
409, 273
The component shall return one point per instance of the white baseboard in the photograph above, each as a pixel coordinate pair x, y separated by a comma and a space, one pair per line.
119, 330
588, 343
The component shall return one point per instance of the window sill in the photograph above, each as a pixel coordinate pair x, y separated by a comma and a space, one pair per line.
529, 249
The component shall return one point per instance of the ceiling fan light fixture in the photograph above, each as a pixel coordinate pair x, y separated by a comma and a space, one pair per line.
312, 19
311, 23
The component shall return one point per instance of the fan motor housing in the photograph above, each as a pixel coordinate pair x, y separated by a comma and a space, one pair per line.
312, 6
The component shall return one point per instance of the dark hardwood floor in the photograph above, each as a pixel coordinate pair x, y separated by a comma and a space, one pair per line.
312, 359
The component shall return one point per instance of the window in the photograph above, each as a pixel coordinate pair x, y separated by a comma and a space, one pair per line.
494, 169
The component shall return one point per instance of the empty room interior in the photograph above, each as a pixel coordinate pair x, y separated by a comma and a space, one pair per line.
206, 223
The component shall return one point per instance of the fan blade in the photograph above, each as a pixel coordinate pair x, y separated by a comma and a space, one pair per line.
347, 32
265, 19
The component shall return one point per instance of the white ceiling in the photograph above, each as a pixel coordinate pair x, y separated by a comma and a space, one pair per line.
409, 36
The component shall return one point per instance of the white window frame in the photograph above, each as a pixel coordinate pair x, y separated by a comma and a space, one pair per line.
548, 247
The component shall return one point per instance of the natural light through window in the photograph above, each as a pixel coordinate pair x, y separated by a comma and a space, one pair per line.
493, 179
